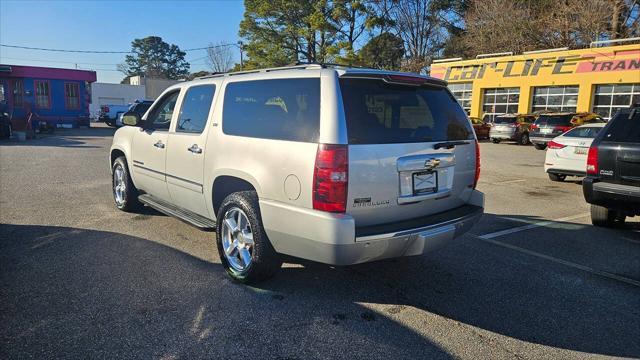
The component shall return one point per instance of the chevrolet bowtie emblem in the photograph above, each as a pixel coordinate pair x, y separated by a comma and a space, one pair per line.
431, 164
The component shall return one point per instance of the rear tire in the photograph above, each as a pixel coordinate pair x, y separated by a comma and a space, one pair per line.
540, 146
601, 216
524, 139
125, 194
239, 230
557, 177
495, 141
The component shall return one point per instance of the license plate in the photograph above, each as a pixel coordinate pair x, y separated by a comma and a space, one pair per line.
546, 131
425, 182
581, 150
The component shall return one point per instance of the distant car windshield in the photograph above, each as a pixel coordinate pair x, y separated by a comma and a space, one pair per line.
583, 132
554, 120
505, 120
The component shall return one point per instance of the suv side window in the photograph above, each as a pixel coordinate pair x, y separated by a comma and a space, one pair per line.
160, 117
282, 109
195, 107
624, 127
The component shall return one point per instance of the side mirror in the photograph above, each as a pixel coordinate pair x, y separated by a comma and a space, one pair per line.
131, 118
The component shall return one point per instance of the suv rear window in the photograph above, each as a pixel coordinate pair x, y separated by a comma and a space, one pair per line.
624, 127
282, 109
381, 113
505, 120
553, 120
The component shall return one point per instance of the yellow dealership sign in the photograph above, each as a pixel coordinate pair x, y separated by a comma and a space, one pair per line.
583, 67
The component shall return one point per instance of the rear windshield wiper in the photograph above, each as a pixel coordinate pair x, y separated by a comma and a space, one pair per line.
449, 144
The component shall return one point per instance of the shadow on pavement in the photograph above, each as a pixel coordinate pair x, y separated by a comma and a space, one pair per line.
74, 291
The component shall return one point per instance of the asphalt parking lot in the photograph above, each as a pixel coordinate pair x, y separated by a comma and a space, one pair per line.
80, 279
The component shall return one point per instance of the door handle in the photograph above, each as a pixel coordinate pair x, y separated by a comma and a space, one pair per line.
159, 145
195, 149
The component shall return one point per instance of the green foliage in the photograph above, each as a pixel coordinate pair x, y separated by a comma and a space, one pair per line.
152, 57
384, 51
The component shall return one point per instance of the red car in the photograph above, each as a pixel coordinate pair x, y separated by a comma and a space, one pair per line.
480, 127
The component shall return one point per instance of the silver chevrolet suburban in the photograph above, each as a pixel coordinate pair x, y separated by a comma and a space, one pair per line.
325, 163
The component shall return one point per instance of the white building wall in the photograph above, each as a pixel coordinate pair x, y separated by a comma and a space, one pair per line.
114, 94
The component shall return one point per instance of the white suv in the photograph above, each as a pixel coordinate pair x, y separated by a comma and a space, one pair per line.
326, 163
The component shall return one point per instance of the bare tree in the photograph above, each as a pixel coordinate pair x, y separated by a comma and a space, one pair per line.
220, 57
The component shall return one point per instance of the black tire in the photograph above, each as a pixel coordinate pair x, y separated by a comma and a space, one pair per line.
495, 141
265, 261
129, 201
524, 139
540, 146
557, 177
601, 216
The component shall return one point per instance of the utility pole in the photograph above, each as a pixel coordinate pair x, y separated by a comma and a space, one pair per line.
241, 47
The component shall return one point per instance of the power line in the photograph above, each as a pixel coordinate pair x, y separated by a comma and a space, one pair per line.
57, 61
102, 51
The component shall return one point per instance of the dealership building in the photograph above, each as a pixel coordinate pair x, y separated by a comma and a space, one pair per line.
597, 79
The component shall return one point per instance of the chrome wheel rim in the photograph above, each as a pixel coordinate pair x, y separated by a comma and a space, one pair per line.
237, 239
119, 185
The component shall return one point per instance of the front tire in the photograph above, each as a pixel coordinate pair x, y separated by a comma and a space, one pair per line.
540, 146
601, 216
557, 177
495, 141
245, 250
125, 194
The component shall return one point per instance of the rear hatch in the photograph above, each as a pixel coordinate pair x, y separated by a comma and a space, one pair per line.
551, 125
411, 150
504, 124
619, 149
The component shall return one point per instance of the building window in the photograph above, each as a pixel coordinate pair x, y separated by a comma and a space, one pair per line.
611, 97
72, 96
18, 93
462, 93
500, 101
43, 94
555, 98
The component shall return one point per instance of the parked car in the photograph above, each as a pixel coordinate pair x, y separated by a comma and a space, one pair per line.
567, 153
549, 125
388, 168
512, 127
612, 185
480, 127
139, 106
109, 113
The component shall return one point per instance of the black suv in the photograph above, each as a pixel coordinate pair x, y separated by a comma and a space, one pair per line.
612, 185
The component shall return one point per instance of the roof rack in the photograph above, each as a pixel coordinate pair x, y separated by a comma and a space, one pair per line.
290, 67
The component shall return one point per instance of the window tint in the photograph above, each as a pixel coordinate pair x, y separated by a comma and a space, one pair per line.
380, 113
583, 132
283, 109
505, 120
140, 108
195, 109
554, 120
160, 118
624, 127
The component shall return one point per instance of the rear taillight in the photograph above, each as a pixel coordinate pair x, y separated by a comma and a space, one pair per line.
477, 176
533, 127
592, 161
554, 145
562, 128
330, 178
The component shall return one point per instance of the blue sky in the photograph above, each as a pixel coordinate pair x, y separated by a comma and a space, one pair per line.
111, 26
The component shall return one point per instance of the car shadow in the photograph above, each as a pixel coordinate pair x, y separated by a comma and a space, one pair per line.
103, 294
75, 138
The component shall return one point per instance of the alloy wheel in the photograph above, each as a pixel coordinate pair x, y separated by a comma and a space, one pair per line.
237, 239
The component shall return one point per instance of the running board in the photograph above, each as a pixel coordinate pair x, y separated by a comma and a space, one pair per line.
180, 213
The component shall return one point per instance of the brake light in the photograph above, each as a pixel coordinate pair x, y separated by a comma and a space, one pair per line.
533, 127
562, 128
404, 79
477, 176
330, 178
554, 145
592, 161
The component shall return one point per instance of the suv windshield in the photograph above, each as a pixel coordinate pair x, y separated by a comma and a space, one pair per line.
381, 113
553, 120
505, 120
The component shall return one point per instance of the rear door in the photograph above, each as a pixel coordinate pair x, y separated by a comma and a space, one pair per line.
187, 142
400, 166
619, 149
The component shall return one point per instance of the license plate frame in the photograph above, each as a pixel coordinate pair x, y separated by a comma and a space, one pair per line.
428, 185
546, 131
581, 150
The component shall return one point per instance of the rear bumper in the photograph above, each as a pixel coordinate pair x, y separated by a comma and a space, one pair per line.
504, 135
611, 195
537, 138
333, 238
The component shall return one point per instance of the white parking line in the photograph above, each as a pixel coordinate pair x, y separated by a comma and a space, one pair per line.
563, 262
530, 226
